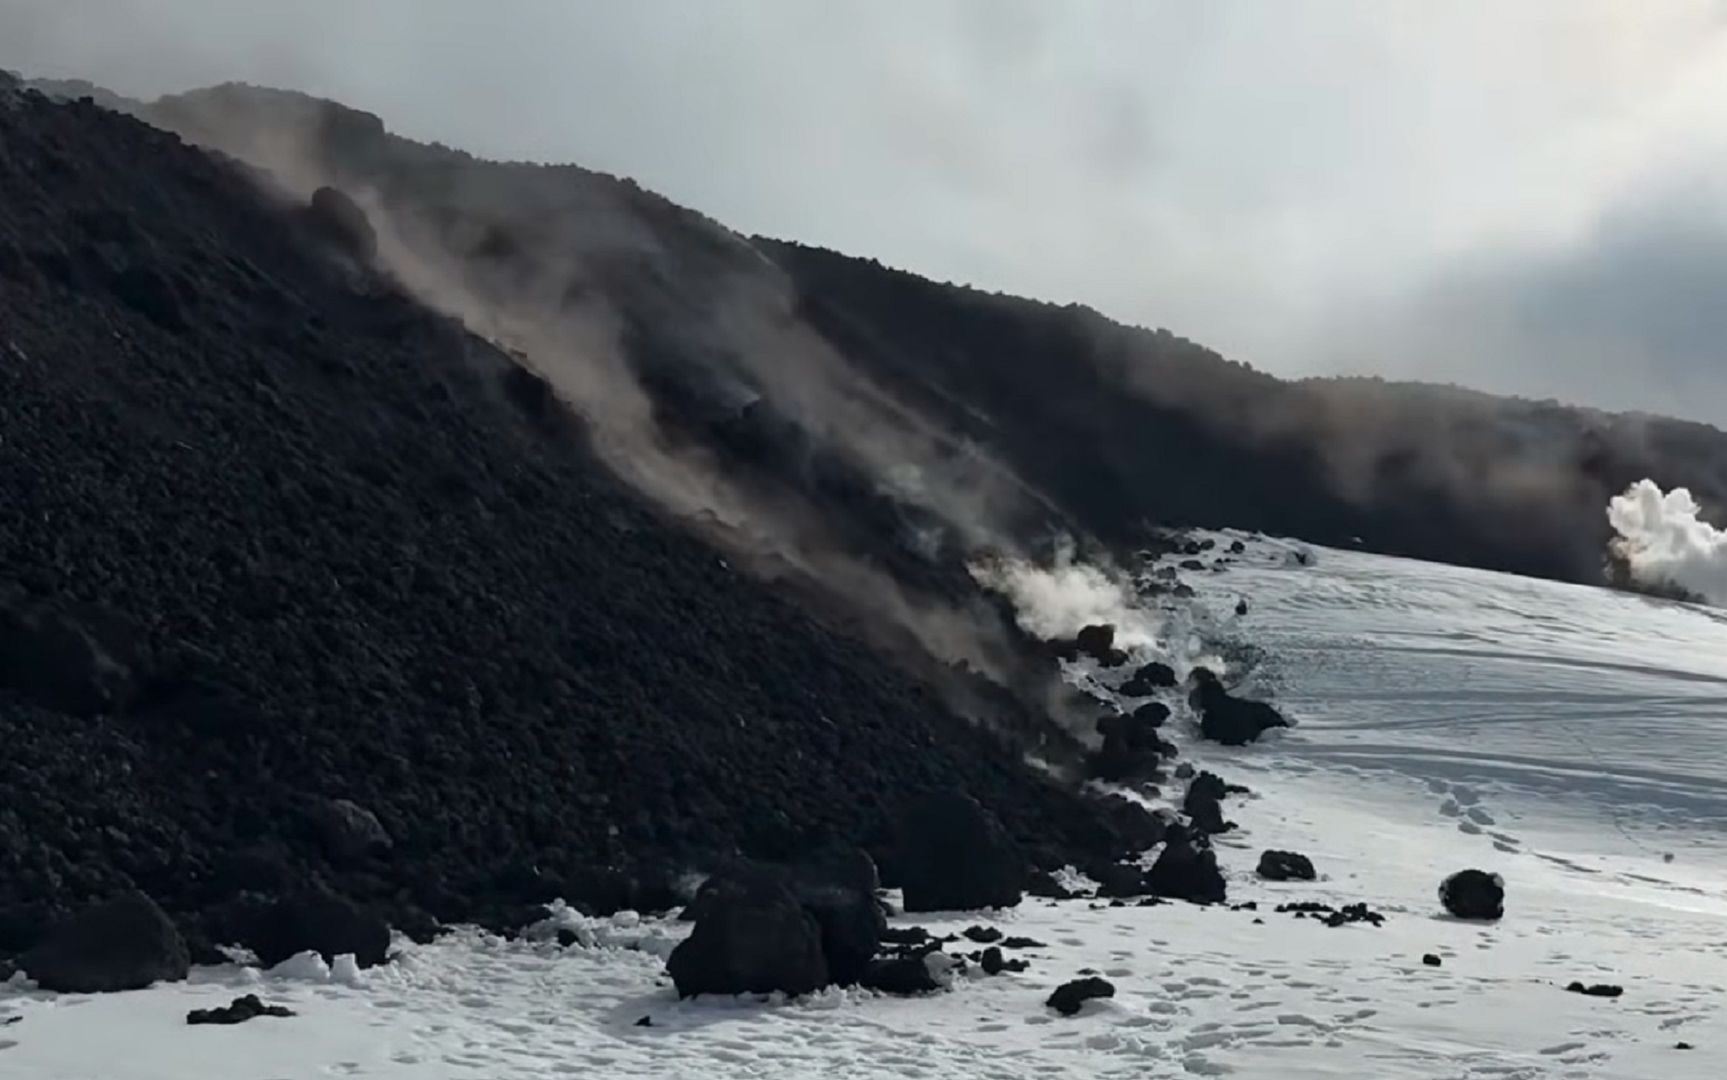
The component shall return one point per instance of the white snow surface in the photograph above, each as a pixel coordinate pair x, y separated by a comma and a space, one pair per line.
1567, 738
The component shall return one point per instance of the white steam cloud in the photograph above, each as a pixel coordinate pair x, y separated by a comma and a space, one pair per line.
1058, 600
1665, 544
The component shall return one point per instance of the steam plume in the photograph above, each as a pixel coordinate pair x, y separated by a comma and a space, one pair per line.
1664, 543
1058, 600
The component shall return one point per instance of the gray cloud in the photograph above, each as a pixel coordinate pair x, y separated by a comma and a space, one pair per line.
1628, 316
1512, 195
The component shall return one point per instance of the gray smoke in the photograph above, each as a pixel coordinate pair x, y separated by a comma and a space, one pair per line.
579, 276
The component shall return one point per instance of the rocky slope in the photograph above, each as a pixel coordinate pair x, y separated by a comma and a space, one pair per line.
282, 552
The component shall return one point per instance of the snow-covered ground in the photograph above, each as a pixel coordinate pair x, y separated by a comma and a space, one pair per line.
1569, 739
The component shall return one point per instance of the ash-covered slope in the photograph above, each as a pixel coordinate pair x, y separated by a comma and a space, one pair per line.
273, 534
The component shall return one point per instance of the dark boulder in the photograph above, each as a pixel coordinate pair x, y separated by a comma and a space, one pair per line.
124, 944
339, 221
1602, 990
1118, 881
1214, 786
241, 1009
1431, 959
1149, 679
752, 937
840, 864
312, 920
1203, 804
348, 832
1473, 894
903, 975
992, 961
1135, 826
1227, 719
834, 888
1285, 866
1070, 996
1186, 871
851, 925
1206, 813
1131, 748
1151, 714
955, 856
983, 935
1043, 884
1096, 641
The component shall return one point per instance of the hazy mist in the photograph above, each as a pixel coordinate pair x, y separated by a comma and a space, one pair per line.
1522, 196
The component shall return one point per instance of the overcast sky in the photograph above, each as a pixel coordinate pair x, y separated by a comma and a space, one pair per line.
1522, 195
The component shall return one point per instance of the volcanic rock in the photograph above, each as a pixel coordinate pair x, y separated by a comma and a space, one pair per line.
348, 831
124, 944
753, 936
832, 889
1473, 894
1285, 866
1118, 881
1043, 884
1226, 719
241, 1009
955, 856
1070, 996
1186, 871
310, 920
1149, 679
1136, 826
903, 975
340, 221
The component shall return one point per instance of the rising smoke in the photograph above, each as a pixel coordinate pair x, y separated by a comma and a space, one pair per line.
1663, 543
1056, 600
683, 351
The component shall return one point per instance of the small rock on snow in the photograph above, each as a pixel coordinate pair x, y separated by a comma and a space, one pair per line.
240, 1010
1069, 996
